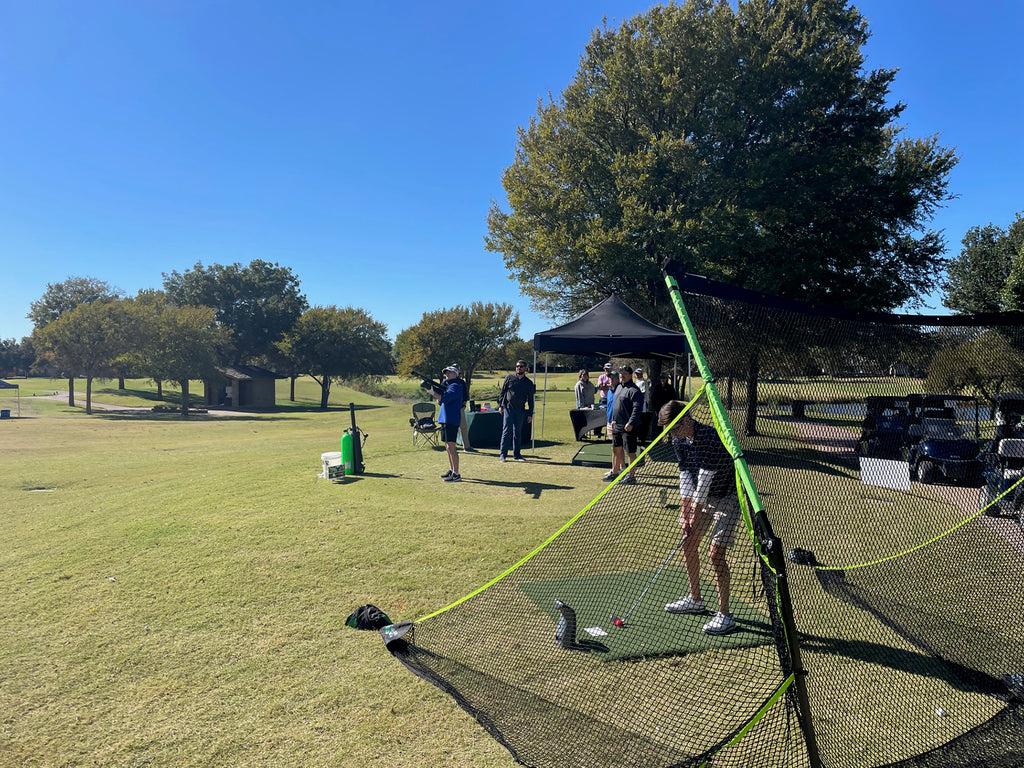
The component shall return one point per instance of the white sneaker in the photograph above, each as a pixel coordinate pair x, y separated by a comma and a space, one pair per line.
721, 624
610, 475
686, 605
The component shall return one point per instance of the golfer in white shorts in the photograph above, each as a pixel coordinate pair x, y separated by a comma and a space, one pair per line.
702, 456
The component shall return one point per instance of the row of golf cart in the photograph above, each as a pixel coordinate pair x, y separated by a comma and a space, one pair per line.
939, 436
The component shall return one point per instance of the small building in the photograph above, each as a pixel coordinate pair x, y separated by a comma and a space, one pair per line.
242, 386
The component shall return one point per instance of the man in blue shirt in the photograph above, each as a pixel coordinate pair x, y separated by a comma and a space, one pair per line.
449, 419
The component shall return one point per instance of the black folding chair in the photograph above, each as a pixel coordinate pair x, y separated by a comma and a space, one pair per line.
424, 429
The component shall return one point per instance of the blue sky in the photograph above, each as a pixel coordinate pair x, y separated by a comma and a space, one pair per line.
361, 144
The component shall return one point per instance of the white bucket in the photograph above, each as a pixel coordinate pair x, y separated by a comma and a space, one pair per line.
332, 465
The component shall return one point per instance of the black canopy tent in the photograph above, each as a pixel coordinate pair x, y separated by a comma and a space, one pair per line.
613, 328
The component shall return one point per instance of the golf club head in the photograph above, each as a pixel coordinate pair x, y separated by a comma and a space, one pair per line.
616, 621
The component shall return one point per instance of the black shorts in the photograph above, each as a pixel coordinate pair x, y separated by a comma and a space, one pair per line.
620, 436
450, 432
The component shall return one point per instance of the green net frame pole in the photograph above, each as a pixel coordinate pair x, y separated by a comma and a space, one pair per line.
769, 541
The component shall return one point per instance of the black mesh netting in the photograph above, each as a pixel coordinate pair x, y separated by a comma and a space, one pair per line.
883, 451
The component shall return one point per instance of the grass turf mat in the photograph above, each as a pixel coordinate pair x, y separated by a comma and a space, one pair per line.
594, 455
649, 630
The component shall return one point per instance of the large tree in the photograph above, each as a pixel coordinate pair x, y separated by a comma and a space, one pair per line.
988, 275
84, 341
333, 344
257, 303
185, 345
60, 298
747, 145
462, 335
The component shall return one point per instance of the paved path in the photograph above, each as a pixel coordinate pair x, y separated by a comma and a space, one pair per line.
80, 402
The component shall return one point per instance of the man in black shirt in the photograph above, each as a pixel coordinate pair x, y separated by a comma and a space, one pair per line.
515, 404
627, 418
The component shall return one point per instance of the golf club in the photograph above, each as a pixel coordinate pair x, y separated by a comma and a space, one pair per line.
621, 621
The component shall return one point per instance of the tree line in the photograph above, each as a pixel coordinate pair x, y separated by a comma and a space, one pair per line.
211, 317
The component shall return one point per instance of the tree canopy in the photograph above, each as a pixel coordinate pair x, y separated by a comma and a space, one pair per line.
64, 296
988, 275
462, 335
332, 344
84, 341
746, 145
257, 303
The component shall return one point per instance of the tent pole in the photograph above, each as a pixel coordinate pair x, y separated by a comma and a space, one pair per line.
544, 410
544, 402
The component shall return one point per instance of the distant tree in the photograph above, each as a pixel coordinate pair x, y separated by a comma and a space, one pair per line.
85, 340
187, 344
988, 364
257, 303
10, 357
332, 344
462, 335
60, 298
988, 275
504, 358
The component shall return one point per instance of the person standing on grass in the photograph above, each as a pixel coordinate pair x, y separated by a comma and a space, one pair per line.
709, 503
515, 404
449, 419
585, 391
627, 419
463, 425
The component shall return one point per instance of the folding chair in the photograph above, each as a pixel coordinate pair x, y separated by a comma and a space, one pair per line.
424, 428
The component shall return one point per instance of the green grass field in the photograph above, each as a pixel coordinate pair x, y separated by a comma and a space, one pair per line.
176, 589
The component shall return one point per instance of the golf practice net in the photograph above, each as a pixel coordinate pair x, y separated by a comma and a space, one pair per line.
876, 572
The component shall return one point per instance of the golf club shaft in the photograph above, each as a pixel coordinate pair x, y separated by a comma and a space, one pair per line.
654, 578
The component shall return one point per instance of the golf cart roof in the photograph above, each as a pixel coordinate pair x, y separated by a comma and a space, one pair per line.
1010, 397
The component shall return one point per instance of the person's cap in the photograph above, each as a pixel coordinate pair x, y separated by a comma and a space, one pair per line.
607, 366
613, 373
639, 370
451, 368
626, 369
455, 367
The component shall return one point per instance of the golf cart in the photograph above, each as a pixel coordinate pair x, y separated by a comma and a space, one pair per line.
942, 439
1003, 458
883, 432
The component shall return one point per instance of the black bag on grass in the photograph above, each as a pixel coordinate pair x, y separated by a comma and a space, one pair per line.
368, 617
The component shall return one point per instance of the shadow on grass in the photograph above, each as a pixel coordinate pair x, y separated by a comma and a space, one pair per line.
531, 489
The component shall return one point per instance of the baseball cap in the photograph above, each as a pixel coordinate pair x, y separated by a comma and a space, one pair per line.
626, 369
607, 366
639, 370
451, 368
613, 373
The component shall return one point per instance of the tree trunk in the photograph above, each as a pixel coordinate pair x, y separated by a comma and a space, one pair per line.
750, 428
325, 393
88, 395
159, 390
120, 382
184, 399
71, 391
292, 395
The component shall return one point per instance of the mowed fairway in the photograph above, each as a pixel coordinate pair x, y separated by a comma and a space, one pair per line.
175, 590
